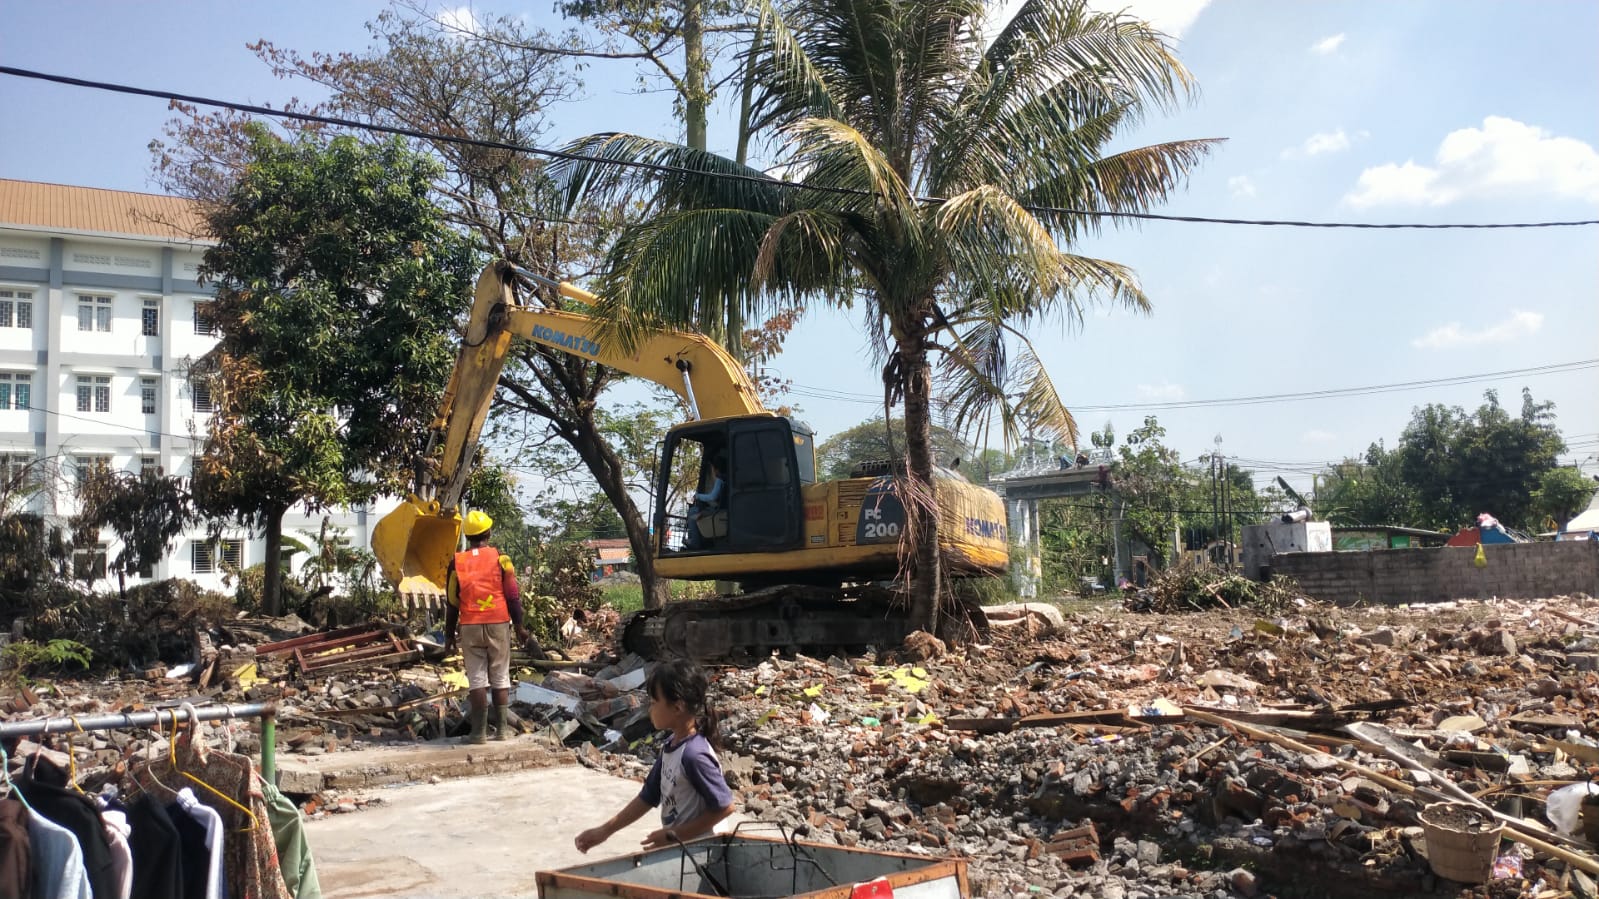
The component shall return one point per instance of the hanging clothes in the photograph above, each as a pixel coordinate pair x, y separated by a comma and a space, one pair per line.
45, 787
200, 830
157, 862
58, 871
250, 855
116, 835
16, 852
294, 851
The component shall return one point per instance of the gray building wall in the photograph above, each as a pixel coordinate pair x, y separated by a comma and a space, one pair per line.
1396, 576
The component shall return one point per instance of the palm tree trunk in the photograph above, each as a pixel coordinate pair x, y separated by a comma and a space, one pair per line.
921, 509
696, 73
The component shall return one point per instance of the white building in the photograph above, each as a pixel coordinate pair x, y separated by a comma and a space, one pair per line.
100, 317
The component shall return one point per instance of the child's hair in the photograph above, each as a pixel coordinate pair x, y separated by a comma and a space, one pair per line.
683, 681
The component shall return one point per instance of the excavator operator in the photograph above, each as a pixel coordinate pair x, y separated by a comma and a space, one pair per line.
486, 601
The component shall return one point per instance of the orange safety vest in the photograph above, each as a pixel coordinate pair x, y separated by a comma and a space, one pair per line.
479, 586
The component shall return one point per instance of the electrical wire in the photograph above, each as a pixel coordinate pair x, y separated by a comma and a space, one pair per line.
1330, 393
767, 181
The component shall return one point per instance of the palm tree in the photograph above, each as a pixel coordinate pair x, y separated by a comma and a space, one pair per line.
930, 177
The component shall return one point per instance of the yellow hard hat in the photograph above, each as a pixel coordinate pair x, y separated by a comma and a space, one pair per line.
477, 522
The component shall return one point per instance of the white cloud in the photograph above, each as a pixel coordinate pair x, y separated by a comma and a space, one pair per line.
1521, 323
1171, 17
1323, 142
1241, 186
1163, 392
1317, 435
460, 21
1504, 157
1327, 45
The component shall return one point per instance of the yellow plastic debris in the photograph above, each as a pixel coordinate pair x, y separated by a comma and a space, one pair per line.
247, 675
913, 680
454, 679
813, 692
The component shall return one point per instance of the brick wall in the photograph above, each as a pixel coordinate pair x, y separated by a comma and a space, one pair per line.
1395, 576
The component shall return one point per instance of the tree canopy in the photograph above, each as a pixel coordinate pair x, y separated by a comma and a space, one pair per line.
337, 286
1451, 465
930, 177
871, 441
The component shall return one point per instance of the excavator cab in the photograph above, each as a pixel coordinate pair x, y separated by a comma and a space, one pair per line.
733, 485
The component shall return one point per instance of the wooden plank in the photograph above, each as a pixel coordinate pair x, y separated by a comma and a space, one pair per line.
283, 647
1006, 725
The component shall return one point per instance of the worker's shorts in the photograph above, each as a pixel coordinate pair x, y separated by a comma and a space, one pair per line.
487, 649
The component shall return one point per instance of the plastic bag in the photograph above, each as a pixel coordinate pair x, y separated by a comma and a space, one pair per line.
1564, 806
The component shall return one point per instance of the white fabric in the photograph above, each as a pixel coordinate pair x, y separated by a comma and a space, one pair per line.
116, 833
58, 871
213, 838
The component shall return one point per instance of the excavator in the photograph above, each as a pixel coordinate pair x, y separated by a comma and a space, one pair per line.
815, 562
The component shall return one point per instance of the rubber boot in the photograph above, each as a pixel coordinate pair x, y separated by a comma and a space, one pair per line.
480, 724
502, 715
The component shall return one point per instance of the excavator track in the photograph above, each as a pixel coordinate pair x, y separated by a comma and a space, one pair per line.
817, 621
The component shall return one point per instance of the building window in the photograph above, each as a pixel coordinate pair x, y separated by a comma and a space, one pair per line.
151, 321
16, 389
82, 465
16, 308
16, 470
203, 323
149, 466
89, 563
206, 556
202, 397
147, 390
94, 393
94, 313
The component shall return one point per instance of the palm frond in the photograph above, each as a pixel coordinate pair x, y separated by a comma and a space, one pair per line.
1021, 395
1131, 181
617, 166
682, 268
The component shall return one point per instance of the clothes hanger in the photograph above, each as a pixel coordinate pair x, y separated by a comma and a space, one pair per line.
172, 755
5, 779
149, 766
72, 757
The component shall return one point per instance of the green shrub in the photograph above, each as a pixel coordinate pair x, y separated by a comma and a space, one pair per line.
26, 658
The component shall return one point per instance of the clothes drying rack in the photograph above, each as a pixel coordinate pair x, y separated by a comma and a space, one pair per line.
266, 711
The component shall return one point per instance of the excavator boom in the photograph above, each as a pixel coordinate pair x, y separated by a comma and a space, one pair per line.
414, 543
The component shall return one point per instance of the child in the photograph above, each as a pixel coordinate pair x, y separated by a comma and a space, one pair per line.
686, 782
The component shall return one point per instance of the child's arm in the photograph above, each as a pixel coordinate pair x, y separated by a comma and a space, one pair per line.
697, 826
594, 836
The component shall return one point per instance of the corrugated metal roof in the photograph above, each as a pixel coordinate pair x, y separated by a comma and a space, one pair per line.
63, 207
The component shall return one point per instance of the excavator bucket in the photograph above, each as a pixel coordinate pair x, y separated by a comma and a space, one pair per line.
414, 545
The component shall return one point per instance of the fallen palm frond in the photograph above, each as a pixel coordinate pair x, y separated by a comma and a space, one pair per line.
1209, 587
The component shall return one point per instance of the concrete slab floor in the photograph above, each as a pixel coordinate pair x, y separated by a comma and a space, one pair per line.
471, 836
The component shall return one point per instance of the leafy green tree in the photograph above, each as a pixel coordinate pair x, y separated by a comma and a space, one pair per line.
1365, 491
1562, 494
337, 283
931, 176
870, 441
145, 511
1461, 464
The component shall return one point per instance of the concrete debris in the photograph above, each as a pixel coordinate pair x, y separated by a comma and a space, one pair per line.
1242, 751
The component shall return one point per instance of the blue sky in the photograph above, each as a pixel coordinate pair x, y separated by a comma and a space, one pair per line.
1363, 110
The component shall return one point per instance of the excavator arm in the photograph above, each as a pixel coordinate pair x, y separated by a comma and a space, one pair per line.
415, 542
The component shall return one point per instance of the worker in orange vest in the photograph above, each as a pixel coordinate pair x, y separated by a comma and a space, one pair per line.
486, 602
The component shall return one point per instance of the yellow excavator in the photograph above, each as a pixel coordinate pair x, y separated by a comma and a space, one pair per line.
815, 561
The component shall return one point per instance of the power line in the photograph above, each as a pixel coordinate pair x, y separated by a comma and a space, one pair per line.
1330, 393
730, 176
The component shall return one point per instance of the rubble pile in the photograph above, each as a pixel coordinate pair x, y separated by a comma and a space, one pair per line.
1247, 750
1201, 755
